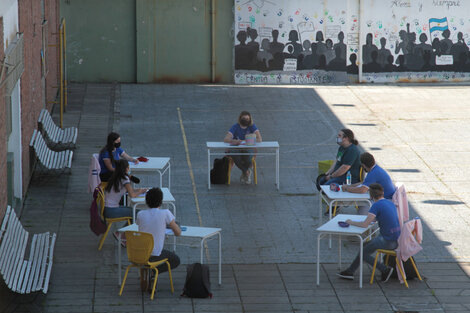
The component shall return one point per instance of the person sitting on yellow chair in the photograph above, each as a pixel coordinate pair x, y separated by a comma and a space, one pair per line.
235, 136
385, 213
155, 221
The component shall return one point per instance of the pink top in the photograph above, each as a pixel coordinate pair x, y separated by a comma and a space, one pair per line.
112, 198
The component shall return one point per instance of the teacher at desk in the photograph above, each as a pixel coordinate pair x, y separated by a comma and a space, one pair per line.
235, 136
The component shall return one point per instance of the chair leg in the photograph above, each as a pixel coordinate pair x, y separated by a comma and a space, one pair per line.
171, 278
255, 174
401, 272
104, 236
124, 280
229, 171
416, 269
154, 283
334, 211
374, 267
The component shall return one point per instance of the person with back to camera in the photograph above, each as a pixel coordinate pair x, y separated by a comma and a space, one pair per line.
118, 185
235, 136
111, 153
347, 160
155, 220
385, 213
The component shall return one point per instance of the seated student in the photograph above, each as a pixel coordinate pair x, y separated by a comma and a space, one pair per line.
155, 221
375, 174
385, 213
347, 159
118, 185
235, 136
111, 153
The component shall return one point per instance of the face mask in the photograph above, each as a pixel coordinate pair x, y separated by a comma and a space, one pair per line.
117, 145
245, 123
339, 140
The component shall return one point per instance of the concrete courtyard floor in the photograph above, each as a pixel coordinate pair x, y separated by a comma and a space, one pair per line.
418, 133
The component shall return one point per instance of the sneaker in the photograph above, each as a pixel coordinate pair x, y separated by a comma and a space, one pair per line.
123, 238
345, 275
243, 178
248, 177
387, 274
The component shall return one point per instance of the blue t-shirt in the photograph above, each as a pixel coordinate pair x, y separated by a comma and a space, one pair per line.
386, 215
378, 175
105, 155
239, 133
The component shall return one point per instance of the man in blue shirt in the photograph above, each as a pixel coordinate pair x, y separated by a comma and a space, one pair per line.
375, 174
385, 213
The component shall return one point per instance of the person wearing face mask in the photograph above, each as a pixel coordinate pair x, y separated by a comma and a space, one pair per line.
118, 185
111, 153
347, 159
235, 136
375, 174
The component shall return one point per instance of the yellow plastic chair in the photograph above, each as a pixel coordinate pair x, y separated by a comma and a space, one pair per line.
231, 163
139, 247
392, 253
109, 221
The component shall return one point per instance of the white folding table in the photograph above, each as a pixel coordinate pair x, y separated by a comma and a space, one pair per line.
221, 149
332, 228
159, 165
339, 197
202, 233
140, 201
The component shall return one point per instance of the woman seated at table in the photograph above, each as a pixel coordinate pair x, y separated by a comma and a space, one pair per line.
118, 184
236, 134
111, 153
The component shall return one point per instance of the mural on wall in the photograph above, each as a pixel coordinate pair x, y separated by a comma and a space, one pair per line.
294, 42
425, 40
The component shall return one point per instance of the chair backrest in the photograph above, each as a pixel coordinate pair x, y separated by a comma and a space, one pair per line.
400, 199
139, 246
361, 174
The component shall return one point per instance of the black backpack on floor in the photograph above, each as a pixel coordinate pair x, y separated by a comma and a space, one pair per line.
408, 267
220, 170
198, 283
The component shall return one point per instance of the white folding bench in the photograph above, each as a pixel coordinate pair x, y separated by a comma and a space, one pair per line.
49, 160
56, 137
23, 275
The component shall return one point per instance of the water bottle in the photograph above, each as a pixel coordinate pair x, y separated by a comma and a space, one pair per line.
348, 178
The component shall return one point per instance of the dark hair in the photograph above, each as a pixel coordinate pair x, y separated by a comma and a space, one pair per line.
118, 175
350, 135
154, 198
376, 191
110, 145
367, 159
243, 114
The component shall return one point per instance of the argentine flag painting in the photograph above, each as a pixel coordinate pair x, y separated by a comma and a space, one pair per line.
437, 25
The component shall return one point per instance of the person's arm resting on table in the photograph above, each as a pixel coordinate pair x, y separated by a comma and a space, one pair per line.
364, 224
175, 228
356, 188
258, 136
129, 158
229, 139
134, 192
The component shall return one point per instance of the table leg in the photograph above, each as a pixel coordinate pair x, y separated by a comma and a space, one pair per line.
220, 258
318, 259
208, 169
330, 214
277, 168
119, 260
169, 175
134, 208
360, 260
161, 180
202, 250
320, 207
339, 252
